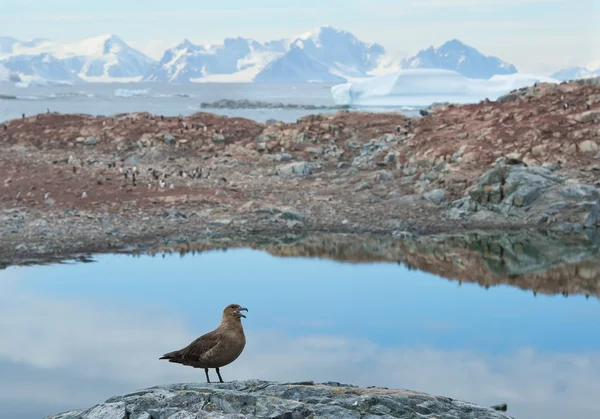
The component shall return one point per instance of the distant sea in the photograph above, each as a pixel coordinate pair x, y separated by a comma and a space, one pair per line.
167, 99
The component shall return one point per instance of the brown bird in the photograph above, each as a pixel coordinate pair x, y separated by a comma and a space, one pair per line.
215, 349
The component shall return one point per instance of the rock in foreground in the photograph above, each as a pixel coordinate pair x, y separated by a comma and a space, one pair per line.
262, 399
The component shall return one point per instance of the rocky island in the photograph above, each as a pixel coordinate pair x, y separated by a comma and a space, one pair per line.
262, 399
91, 183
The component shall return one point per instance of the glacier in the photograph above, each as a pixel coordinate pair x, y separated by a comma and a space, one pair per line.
422, 87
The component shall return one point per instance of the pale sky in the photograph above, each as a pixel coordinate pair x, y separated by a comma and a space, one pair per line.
537, 36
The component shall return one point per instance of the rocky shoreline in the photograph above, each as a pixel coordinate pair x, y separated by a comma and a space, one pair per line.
80, 183
263, 399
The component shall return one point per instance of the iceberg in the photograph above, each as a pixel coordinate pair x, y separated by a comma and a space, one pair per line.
131, 92
422, 87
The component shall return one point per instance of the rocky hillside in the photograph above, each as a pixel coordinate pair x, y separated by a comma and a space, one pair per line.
531, 159
261, 399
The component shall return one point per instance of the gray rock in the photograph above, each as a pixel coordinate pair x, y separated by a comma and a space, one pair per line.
132, 160
436, 196
283, 157
525, 195
579, 192
261, 399
156, 154
534, 175
384, 175
292, 215
168, 139
496, 175
315, 150
90, 141
261, 147
457, 156
363, 186
294, 169
219, 139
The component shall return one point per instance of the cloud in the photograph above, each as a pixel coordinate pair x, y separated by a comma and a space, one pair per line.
63, 354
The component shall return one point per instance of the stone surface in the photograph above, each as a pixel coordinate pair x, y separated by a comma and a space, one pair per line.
436, 196
295, 169
260, 399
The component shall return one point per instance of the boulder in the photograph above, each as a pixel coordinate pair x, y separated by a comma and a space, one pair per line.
300, 168
531, 194
436, 196
90, 141
168, 139
261, 399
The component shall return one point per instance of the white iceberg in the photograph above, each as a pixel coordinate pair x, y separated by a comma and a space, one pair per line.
131, 92
422, 87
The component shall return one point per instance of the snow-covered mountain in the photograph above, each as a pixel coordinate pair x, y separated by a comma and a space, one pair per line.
105, 58
39, 67
572, 73
7, 75
238, 58
324, 54
342, 53
295, 66
100, 59
456, 56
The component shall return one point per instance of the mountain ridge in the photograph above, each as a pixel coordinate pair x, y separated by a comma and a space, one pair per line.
324, 54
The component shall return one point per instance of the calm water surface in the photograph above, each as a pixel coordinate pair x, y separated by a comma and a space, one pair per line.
76, 334
167, 99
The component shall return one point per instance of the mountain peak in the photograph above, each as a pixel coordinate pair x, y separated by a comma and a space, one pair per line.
186, 43
457, 56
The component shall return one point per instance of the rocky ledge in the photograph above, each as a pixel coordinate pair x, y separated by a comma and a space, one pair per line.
261, 399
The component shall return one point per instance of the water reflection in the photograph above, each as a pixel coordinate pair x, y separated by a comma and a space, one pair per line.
73, 335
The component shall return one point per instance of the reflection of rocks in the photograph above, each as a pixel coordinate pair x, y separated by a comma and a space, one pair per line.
548, 262
542, 261
280, 400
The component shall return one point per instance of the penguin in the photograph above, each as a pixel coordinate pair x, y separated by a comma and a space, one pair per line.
84, 194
